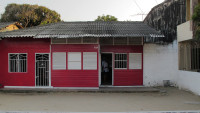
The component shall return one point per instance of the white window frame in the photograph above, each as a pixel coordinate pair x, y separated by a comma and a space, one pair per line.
95, 60
17, 59
63, 61
121, 60
74, 61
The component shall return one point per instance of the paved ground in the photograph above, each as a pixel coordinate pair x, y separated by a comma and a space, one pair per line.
173, 100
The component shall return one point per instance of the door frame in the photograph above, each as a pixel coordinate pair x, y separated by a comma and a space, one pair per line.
49, 71
112, 53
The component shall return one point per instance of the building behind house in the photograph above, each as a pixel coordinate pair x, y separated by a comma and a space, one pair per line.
189, 52
9, 26
173, 19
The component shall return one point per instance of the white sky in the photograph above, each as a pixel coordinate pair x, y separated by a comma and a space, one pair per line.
88, 10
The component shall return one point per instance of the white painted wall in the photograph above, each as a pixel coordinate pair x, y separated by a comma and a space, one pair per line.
160, 63
184, 31
189, 81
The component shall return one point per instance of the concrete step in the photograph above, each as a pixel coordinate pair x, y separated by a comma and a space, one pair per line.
100, 90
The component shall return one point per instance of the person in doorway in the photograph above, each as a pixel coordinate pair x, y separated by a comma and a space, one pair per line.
105, 69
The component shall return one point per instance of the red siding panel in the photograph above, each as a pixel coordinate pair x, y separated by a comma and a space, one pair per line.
126, 77
21, 45
75, 78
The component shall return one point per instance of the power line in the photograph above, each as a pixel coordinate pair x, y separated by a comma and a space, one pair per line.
140, 14
138, 6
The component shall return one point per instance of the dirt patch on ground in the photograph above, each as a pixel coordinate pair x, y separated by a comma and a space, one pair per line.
172, 100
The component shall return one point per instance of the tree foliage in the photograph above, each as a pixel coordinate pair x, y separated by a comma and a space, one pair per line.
29, 15
106, 18
196, 19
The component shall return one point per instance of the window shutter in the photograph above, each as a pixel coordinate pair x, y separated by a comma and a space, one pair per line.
74, 60
59, 60
135, 60
89, 60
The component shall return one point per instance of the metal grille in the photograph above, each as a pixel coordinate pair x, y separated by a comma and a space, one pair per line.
42, 69
58, 41
120, 61
189, 56
74, 40
17, 62
195, 57
106, 41
135, 41
120, 41
89, 40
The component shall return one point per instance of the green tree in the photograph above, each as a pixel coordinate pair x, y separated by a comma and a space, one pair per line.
106, 18
196, 19
29, 15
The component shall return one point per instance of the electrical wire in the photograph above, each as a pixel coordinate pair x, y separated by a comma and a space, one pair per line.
138, 6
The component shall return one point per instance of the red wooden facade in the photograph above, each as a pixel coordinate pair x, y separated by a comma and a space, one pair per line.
64, 78
74, 78
126, 77
21, 45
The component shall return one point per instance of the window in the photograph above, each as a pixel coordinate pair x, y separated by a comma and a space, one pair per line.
74, 60
18, 62
89, 60
189, 56
120, 61
135, 41
135, 60
89, 40
59, 60
58, 41
120, 41
106, 41
74, 40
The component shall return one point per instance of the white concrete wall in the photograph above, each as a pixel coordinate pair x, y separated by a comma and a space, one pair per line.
160, 63
184, 31
189, 81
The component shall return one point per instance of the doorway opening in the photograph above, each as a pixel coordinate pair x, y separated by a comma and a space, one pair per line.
42, 70
106, 69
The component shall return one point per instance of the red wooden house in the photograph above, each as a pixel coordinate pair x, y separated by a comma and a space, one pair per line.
70, 54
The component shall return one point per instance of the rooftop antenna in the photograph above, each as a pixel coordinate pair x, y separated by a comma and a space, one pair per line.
142, 12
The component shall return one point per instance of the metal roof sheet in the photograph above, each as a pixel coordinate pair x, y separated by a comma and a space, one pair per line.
5, 24
86, 29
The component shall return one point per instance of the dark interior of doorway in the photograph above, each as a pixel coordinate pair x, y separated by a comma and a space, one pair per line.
106, 76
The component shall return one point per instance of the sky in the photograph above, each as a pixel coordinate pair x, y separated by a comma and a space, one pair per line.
88, 10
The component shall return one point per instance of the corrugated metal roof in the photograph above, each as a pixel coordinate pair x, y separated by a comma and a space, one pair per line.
5, 24
86, 29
